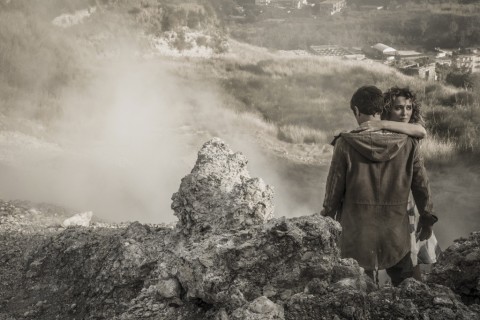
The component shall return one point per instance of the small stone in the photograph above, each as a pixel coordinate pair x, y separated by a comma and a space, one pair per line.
348, 311
286, 294
442, 301
473, 256
262, 305
168, 288
269, 291
307, 256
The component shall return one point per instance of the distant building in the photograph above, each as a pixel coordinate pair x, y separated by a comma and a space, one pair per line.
329, 50
403, 54
368, 7
442, 53
330, 7
280, 3
466, 62
444, 61
284, 3
380, 51
300, 3
384, 49
245, 2
476, 65
337, 51
426, 72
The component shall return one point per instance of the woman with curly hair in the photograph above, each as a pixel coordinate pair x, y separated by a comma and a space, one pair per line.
402, 114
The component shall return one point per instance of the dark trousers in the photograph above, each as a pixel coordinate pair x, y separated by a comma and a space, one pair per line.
399, 272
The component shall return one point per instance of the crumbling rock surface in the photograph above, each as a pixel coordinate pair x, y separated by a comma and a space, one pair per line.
411, 300
219, 194
459, 268
23, 225
227, 259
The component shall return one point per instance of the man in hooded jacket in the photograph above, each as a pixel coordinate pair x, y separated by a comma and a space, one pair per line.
368, 185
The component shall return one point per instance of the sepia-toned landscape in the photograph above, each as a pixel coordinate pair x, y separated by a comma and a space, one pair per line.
167, 159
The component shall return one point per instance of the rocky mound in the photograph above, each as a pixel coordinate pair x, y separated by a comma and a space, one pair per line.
219, 195
459, 268
227, 258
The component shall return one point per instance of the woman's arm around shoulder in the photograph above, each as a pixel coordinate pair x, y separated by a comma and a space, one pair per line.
412, 129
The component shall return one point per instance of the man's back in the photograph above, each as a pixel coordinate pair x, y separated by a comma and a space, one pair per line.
370, 180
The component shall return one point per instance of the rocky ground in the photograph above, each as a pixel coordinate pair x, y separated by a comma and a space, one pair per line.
460, 268
227, 258
23, 226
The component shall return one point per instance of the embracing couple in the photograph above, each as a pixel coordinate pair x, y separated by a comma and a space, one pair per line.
374, 170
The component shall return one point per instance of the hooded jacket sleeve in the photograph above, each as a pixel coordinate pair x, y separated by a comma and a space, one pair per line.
421, 191
336, 181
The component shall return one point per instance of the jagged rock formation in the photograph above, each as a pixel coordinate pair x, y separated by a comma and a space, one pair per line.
227, 258
459, 268
219, 195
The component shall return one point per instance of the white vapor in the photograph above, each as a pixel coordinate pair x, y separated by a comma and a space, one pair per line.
125, 140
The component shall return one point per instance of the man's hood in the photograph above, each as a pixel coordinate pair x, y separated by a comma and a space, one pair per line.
376, 146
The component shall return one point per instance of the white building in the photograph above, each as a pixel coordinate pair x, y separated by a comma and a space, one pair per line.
330, 7
384, 49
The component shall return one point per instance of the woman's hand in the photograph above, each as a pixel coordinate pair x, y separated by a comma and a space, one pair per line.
370, 126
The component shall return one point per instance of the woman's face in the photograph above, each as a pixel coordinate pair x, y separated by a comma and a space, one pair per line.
401, 110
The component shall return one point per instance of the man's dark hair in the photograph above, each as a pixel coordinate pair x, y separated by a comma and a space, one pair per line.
389, 100
368, 100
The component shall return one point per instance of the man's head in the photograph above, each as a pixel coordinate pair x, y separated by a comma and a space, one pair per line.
401, 105
367, 102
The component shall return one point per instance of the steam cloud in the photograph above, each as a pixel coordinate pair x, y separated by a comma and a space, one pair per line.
124, 142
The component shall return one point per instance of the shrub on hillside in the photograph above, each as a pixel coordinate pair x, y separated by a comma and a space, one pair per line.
459, 79
173, 19
181, 42
36, 62
459, 124
458, 98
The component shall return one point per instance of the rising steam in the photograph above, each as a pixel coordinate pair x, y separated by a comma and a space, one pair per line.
125, 140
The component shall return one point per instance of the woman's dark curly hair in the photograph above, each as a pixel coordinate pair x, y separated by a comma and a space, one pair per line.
389, 100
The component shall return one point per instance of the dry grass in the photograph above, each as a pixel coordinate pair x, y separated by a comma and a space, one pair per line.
436, 149
308, 96
299, 135
253, 123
